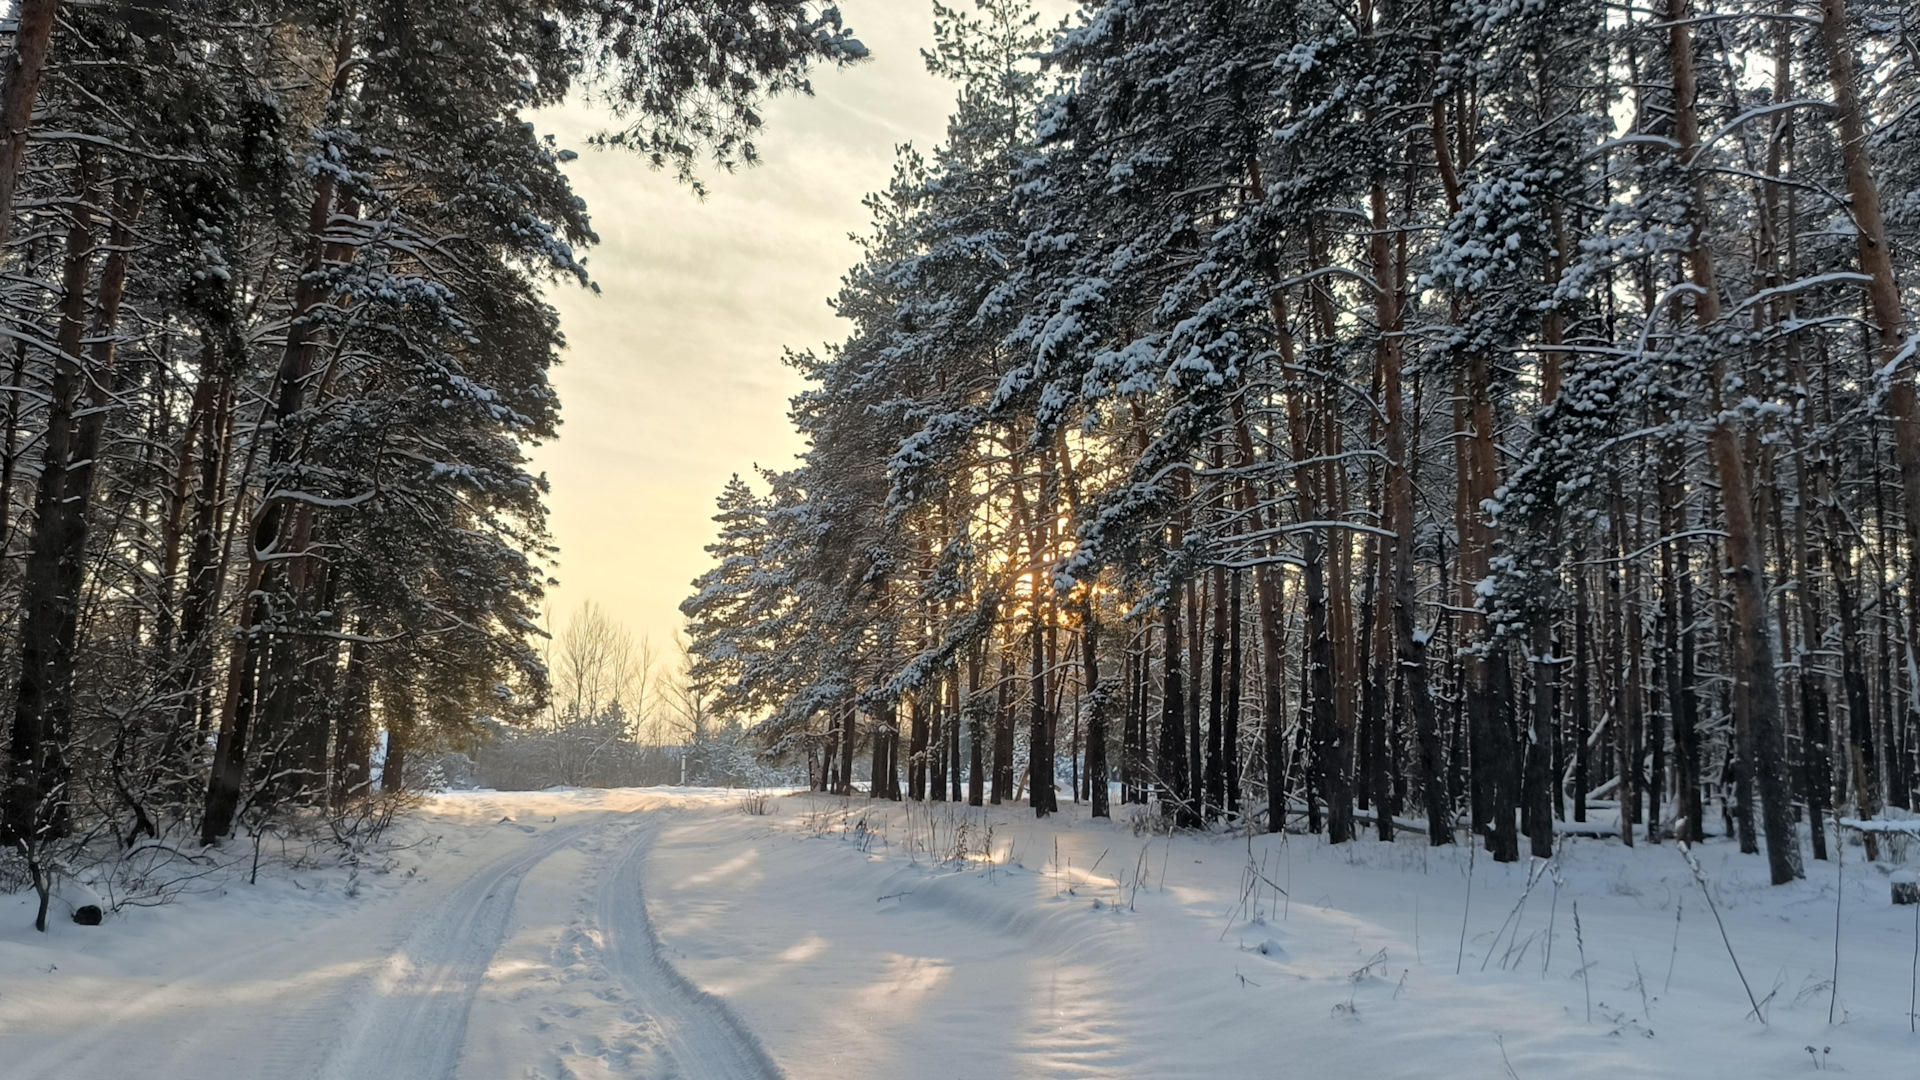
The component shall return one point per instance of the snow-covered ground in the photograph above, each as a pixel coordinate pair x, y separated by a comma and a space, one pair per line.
670, 933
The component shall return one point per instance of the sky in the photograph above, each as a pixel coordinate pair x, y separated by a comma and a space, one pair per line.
672, 380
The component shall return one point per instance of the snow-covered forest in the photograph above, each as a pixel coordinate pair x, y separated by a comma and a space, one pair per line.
1348, 537
1490, 420
275, 348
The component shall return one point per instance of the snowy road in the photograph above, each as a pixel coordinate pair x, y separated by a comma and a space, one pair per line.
415, 1021
534, 957
643, 935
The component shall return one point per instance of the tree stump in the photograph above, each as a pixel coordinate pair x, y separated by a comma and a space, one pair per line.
1906, 888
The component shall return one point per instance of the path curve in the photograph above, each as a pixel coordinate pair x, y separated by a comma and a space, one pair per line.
412, 1020
390, 989
704, 1039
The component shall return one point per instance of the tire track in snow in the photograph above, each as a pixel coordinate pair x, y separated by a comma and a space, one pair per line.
413, 1022
232, 1009
704, 1039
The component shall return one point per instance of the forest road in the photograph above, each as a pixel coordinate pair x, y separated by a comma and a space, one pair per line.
444, 979
704, 1040
415, 1024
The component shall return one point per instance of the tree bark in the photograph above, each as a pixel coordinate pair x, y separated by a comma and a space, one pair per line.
976, 730
1876, 256
847, 718
353, 744
1039, 748
51, 583
1756, 689
917, 747
270, 533
1096, 712
1170, 766
1217, 692
1003, 731
19, 89
1410, 643
1230, 736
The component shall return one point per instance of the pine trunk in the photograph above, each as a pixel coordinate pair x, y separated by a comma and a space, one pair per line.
37, 768
32, 35
1170, 766
1756, 692
1096, 713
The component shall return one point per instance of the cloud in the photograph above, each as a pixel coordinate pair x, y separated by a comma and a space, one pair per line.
673, 380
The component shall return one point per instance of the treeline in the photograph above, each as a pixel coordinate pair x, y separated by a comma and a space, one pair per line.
274, 348
616, 717
1396, 414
